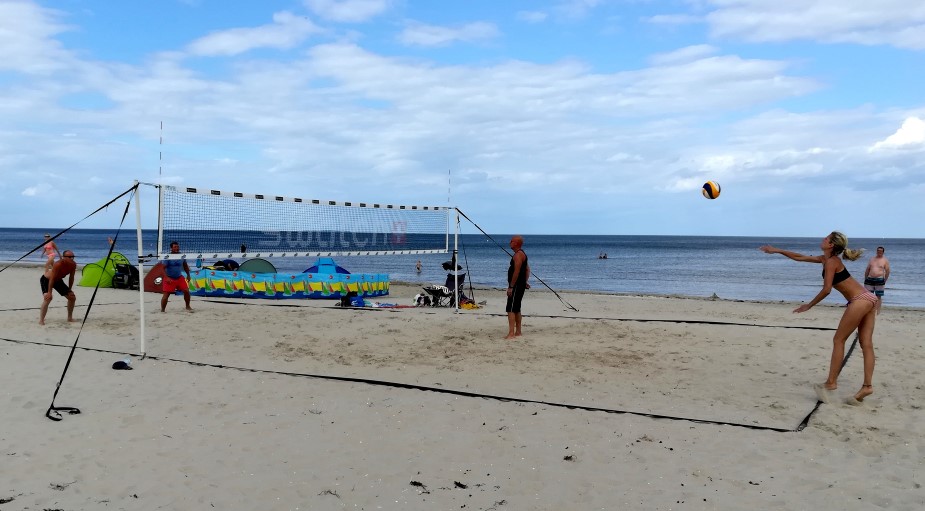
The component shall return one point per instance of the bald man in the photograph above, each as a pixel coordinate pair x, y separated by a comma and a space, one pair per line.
53, 280
517, 275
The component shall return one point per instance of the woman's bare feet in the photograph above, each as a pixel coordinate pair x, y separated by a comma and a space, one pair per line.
856, 399
823, 391
865, 391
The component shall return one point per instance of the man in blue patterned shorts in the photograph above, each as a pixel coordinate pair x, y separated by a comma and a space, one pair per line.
876, 275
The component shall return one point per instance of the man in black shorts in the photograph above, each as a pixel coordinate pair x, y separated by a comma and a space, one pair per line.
53, 279
517, 275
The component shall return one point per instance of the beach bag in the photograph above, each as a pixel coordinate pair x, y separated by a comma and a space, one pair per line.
349, 298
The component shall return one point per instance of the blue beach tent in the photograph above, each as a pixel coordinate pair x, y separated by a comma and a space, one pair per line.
326, 265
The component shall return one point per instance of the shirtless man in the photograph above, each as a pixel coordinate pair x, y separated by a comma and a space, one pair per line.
517, 276
53, 280
876, 275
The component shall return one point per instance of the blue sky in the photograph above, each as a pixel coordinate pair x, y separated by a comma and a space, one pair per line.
551, 117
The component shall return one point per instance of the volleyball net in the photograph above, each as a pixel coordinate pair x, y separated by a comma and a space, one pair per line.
218, 224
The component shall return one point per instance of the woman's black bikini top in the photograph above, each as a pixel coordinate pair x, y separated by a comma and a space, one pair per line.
839, 277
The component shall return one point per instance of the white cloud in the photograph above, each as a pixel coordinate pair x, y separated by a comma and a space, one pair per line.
682, 55
266, 123
624, 157
532, 16
682, 184
577, 8
899, 23
719, 82
808, 149
27, 38
348, 11
287, 31
36, 190
674, 19
910, 134
564, 89
720, 163
419, 34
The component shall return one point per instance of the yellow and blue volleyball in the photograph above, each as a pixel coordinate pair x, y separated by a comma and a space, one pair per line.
711, 189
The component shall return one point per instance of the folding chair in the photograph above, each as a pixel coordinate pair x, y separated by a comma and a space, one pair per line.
126, 277
444, 296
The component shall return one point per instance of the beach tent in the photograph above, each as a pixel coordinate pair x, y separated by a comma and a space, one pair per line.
257, 265
101, 271
323, 280
326, 265
154, 278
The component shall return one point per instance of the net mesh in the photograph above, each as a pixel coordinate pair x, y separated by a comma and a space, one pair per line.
210, 223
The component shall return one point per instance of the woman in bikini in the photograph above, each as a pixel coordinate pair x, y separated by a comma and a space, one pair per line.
860, 313
51, 251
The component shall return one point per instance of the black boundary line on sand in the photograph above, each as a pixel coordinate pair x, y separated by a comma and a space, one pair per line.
407, 386
76, 306
688, 321
495, 314
553, 316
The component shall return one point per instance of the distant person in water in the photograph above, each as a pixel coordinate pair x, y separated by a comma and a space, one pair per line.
517, 275
417, 267
860, 313
53, 280
173, 278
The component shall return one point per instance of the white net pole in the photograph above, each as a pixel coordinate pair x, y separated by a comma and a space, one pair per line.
160, 216
141, 270
456, 258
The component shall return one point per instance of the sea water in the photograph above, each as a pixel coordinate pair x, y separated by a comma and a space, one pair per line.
700, 266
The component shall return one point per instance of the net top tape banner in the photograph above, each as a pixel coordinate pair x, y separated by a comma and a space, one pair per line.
278, 198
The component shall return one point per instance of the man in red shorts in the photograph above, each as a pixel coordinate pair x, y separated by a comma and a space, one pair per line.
173, 278
53, 279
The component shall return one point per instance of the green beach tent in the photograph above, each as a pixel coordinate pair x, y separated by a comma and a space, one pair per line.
257, 266
101, 271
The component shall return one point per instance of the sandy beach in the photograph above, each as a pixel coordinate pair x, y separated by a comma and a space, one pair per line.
631, 402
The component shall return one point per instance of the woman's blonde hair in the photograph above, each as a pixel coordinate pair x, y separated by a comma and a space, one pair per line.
840, 246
